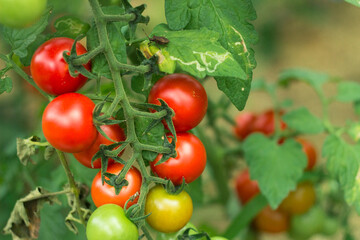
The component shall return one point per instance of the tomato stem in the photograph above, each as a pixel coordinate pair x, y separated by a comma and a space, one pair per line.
128, 17
24, 75
74, 189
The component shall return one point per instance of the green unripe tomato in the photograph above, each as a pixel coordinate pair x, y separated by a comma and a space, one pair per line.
330, 227
305, 225
174, 236
109, 222
21, 13
218, 238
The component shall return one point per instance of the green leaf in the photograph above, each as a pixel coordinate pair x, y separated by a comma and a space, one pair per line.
348, 92
277, 168
343, 163
117, 40
195, 190
152, 137
71, 27
20, 39
231, 20
199, 53
354, 2
40, 39
315, 79
5, 85
303, 121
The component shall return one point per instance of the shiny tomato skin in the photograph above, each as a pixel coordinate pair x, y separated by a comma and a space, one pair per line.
109, 222
105, 194
271, 221
67, 123
265, 123
244, 122
114, 132
168, 212
185, 95
245, 187
310, 152
189, 163
300, 200
50, 71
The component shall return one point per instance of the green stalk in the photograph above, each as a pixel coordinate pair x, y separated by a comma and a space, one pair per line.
244, 217
74, 189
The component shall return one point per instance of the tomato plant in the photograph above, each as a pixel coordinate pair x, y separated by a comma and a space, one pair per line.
271, 221
179, 90
143, 83
50, 71
168, 212
246, 188
300, 200
105, 194
67, 123
21, 13
109, 222
114, 132
189, 163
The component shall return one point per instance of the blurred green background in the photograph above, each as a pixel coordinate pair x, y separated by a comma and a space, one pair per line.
321, 35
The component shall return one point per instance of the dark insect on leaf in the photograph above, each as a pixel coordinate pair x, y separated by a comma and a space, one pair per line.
159, 40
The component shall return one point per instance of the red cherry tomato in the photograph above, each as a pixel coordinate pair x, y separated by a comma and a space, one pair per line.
243, 125
104, 194
271, 221
309, 151
245, 187
189, 163
114, 132
50, 71
265, 123
300, 200
67, 123
185, 95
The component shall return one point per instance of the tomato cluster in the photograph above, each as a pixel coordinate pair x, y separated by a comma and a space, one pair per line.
274, 221
247, 123
188, 99
68, 126
298, 201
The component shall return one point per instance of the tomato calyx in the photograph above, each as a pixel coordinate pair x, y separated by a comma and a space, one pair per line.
78, 68
190, 235
172, 146
173, 189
